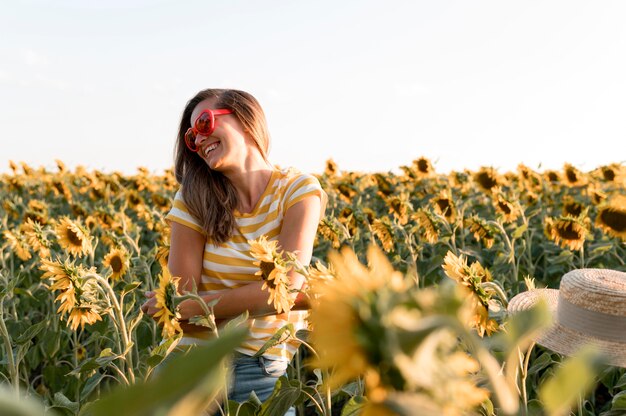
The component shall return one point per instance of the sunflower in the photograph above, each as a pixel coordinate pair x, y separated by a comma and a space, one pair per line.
382, 228
319, 272
385, 185
264, 250
18, 244
472, 277
274, 272
486, 179
481, 229
420, 168
347, 218
612, 217
276, 281
67, 297
329, 232
505, 208
572, 207
73, 237
162, 255
428, 223
567, 232
36, 238
552, 176
60, 165
444, 206
331, 168
573, 176
399, 206
167, 314
117, 259
346, 191
341, 312
160, 201
81, 315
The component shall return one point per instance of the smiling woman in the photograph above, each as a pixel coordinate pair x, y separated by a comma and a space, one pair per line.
230, 196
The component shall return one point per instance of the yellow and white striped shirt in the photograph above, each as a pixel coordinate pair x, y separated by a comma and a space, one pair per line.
230, 265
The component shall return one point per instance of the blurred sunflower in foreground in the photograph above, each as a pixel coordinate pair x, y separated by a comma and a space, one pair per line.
399, 338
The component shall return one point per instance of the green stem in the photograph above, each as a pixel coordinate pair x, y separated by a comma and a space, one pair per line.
121, 322
6, 337
524, 375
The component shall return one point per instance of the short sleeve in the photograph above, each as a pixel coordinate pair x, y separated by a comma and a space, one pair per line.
303, 186
180, 214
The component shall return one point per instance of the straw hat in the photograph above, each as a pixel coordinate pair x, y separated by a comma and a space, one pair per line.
589, 308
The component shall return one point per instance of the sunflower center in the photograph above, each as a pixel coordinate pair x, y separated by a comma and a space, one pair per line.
504, 207
614, 219
422, 166
569, 231
486, 180
444, 206
74, 238
266, 269
116, 264
572, 177
609, 175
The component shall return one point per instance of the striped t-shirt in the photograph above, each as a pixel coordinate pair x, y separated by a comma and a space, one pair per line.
230, 264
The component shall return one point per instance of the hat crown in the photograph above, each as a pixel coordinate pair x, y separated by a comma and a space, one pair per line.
600, 290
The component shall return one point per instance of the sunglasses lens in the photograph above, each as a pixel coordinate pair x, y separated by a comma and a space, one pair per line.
190, 140
204, 123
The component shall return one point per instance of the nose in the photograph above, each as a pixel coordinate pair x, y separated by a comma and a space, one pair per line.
199, 139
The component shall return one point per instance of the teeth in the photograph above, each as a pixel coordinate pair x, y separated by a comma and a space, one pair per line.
212, 147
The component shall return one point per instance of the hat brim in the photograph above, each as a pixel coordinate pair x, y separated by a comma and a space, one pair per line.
564, 340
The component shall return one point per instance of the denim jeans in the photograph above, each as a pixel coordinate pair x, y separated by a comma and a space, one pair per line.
258, 374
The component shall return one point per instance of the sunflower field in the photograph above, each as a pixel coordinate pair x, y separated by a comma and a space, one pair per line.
409, 284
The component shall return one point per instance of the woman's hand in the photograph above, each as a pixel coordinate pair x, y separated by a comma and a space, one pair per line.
149, 306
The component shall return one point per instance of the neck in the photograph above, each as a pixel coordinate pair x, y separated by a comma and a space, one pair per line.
250, 183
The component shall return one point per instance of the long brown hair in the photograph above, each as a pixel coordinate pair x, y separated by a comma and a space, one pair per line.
210, 197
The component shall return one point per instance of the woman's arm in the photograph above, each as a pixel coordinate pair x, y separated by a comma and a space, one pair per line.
187, 251
297, 235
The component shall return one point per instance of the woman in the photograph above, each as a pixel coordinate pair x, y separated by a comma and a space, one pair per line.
230, 193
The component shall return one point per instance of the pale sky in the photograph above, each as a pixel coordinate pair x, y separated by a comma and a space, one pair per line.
371, 84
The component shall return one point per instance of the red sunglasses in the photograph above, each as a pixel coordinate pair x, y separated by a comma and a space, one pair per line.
204, 125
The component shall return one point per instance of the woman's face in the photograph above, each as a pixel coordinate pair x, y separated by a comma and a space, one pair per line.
226, 148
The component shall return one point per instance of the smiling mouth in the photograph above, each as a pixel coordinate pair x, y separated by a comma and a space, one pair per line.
210, 147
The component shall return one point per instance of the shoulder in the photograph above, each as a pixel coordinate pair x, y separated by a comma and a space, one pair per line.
294, 186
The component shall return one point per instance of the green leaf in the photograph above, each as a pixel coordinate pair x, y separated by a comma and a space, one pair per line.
541, 362
570, 381
286, 393
247, 408
188, 380
160, 352
31, 332
619, 401
28, 406
354, 406
90, 385
277, 338
130, 287
60, 401
519, 231
239, 320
